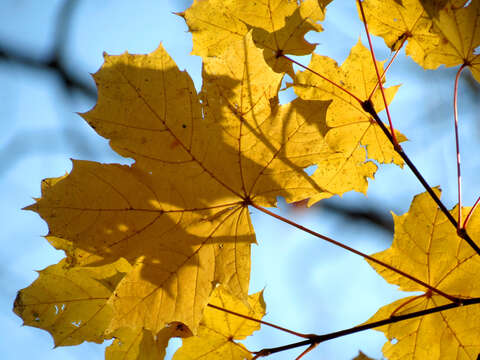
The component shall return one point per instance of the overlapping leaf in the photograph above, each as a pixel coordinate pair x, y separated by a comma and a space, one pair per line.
279, 26
142, 344
458, 28
351, 131
438, 32
396, 23
219, 330
426, 246
71, 303
179, 214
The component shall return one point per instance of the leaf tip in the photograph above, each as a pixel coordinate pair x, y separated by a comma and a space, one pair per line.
30, 207
180, 13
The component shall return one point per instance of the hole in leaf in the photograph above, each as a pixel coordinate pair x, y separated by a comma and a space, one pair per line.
393, 341
77, 323
310, 169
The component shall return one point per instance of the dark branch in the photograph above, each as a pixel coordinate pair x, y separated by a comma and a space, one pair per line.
54, 61
391, 320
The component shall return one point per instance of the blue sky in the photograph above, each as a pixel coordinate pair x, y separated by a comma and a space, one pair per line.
309, 286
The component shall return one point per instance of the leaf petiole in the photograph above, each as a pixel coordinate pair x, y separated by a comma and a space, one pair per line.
392, 129
457, 145
388, 66
324, 78
352, 250
467, 219
306, 336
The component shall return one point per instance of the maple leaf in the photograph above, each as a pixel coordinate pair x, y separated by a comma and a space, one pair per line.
396, 23
351, 131
219, 330
133, 344
278, 26
458, 27
427, 246
438, 32
179, 215
71, 303
434, 6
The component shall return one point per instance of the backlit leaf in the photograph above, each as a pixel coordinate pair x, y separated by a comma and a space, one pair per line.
351, 131
278, 26
396, 22
219, 330
141, 344
426, 246
71, 303
179, 215
445, 32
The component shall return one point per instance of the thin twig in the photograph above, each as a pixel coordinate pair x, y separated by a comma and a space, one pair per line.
408, 302
306, 336
388, 66
306, 351
467, 219
391, 320
352, 250
368, 107
457, 145
392, 129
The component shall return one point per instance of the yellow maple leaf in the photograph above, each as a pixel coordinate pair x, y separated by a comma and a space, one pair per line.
434, 6
351, 131
279, 26
71, 303
427, 246
135, 344
438, 32
179, 215
396, 23
219, 330
458, 28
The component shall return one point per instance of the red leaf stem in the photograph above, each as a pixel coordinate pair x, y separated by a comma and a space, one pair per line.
392, 129
352, 250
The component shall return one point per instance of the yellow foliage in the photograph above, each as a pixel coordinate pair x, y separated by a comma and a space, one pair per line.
396, 23
351, 131
71, 303
426, 246
278, 26
439, 32
219, 330
150, 244
179, 215
142, 344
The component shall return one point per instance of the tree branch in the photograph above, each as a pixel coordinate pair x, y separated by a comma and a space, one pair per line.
391, 320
